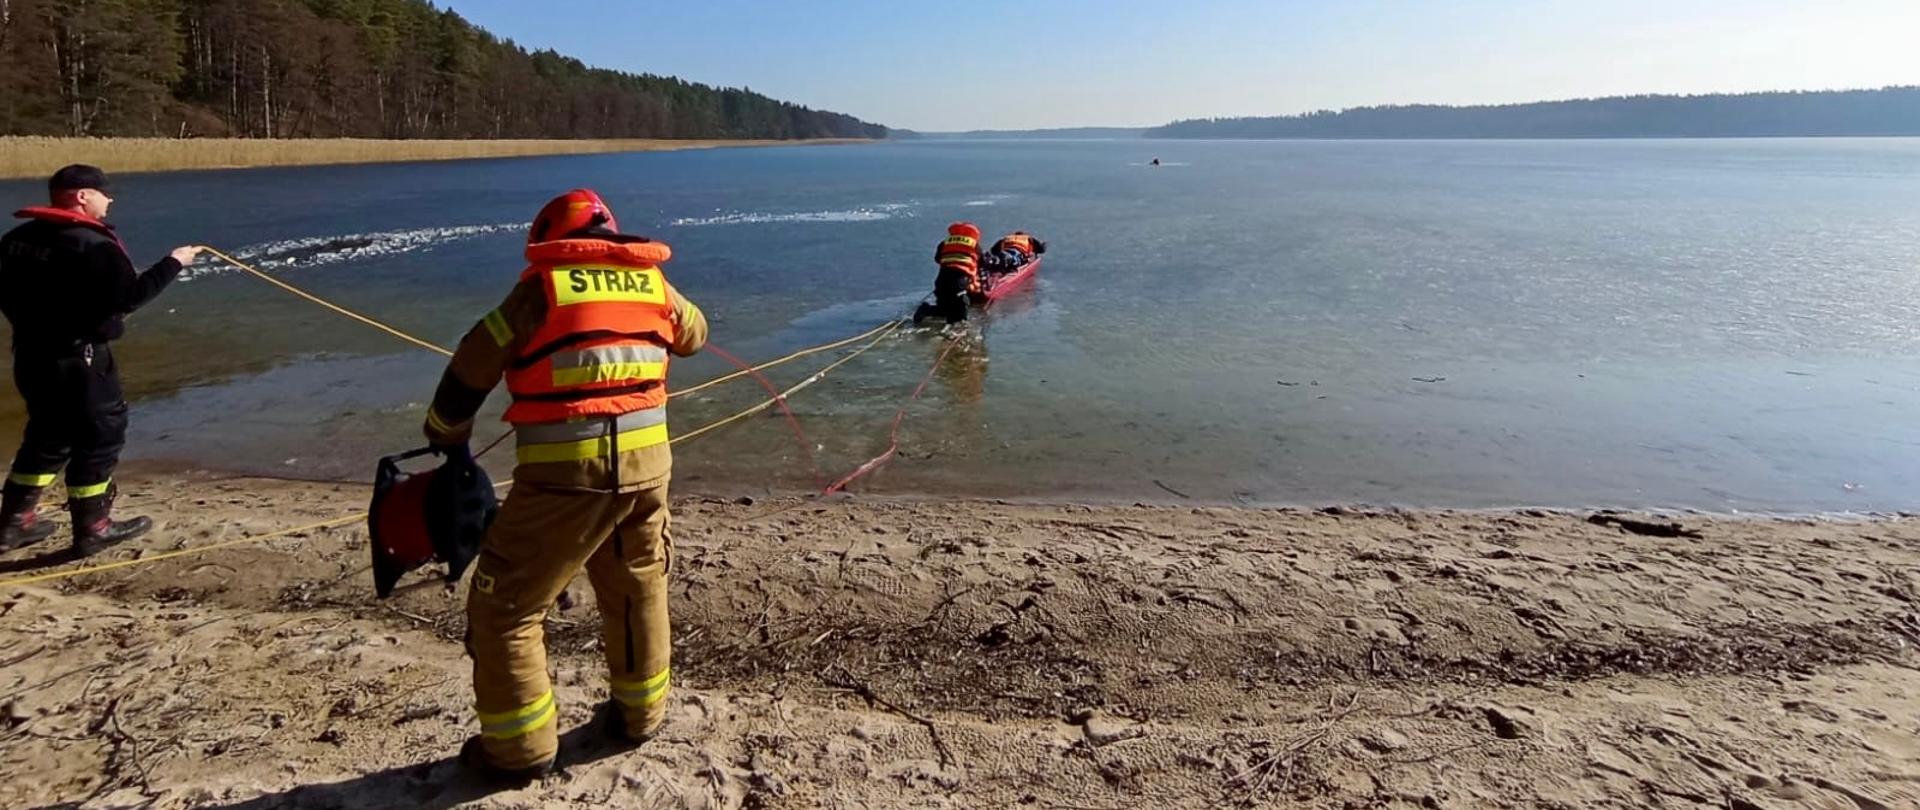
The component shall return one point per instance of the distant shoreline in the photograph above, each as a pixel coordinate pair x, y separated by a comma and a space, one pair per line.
28, 157
1012, 135
1882, 112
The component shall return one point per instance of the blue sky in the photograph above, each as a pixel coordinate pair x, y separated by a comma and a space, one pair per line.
1049, 63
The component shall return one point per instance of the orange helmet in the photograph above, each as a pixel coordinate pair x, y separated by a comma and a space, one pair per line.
573, 211
964, 229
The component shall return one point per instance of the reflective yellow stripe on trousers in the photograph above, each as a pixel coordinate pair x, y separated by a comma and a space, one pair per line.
519, 722
641, 694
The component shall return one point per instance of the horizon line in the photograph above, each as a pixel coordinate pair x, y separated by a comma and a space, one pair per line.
1492, 104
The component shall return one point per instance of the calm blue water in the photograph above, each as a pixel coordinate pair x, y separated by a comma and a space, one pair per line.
1726, 325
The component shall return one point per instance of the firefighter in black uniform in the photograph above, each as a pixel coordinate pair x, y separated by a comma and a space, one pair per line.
65, 284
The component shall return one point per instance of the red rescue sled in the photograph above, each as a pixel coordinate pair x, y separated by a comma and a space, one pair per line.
1001, 285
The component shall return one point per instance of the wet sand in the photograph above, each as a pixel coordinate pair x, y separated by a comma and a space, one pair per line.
857, 652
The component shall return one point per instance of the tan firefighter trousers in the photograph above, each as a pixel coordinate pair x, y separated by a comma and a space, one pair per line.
539, 542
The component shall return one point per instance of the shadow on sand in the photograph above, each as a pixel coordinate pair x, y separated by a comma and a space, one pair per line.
45, 559
435, 785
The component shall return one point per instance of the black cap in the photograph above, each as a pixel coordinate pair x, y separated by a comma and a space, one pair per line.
77, 177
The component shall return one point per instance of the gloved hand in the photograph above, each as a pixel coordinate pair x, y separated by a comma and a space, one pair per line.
461, 453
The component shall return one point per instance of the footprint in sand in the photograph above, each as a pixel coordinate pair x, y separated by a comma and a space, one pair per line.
1386, 630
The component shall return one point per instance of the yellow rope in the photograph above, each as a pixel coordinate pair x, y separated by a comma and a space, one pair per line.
883, 332
826, 347
878, 334
94, 569
329, 305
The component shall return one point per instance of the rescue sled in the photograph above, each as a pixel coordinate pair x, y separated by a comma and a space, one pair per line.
1001, 285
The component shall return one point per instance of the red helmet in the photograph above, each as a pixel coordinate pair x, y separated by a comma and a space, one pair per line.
575, 210
964, 229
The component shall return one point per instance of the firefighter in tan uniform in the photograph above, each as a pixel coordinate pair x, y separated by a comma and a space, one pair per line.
583, 343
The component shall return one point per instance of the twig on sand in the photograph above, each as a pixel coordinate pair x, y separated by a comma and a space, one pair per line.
1156, 482
944, 603
838, 677
142, 768
1266, 769
345, 574
716, 773
57, 678
1258, 776
840, 573
762, 625
399, 696
413, 713
109, 723
414, 616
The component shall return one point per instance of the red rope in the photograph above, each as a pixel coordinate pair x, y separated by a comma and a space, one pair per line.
806, 447
893, 435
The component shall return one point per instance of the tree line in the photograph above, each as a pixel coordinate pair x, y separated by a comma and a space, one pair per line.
341, 68
1883, 112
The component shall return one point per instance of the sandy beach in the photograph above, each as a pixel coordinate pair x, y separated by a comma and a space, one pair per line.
893, 653
36, 157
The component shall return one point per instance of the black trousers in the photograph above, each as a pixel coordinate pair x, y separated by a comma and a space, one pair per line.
950, 294
76, 418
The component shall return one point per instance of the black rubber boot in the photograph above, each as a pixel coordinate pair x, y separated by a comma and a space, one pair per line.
474, 757
20, 523
95, 530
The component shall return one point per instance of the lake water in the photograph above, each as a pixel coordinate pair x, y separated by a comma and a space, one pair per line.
1724, 325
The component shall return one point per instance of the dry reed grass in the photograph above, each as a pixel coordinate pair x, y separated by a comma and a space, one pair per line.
34, 157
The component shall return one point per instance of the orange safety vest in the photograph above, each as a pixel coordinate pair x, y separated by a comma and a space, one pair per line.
602, 349
1019, 241
960, 253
